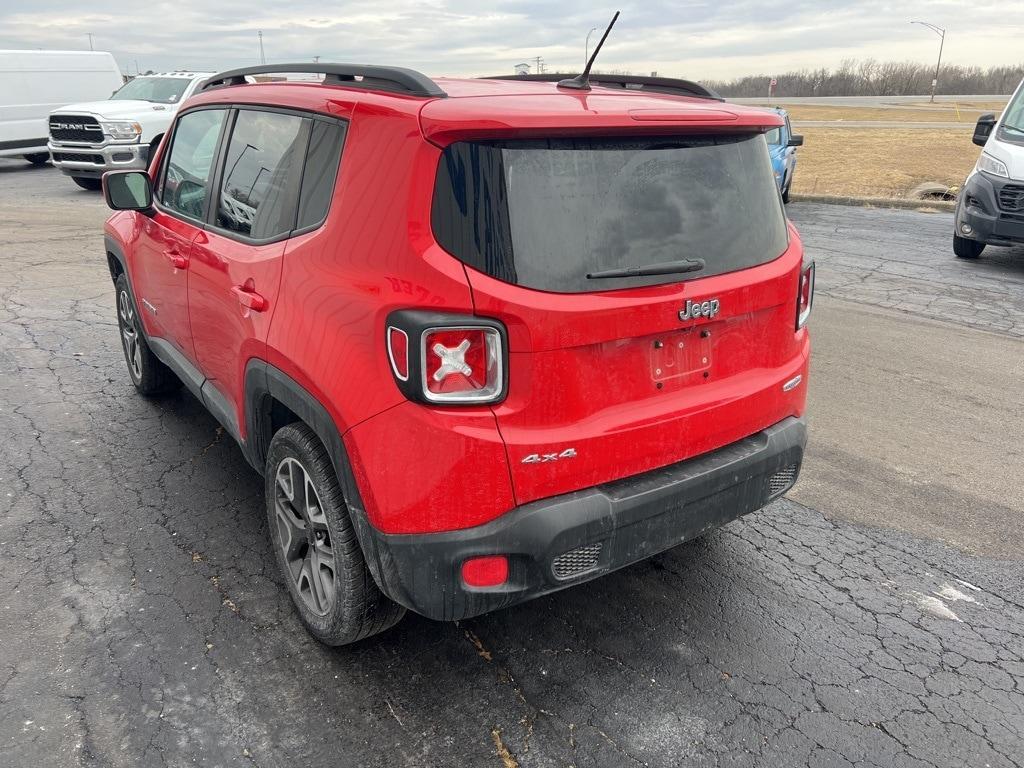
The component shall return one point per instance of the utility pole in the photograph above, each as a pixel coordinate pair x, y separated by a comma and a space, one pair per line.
90, 41
942, 41
586, 48
540, 65
263, 58
316, 59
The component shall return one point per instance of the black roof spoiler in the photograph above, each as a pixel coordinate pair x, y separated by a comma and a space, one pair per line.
668, 85
376, 78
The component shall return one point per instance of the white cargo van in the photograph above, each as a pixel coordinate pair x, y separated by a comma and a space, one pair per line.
34, 83
990, 210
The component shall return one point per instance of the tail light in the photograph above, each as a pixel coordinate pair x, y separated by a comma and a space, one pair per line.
447, 359
805, 295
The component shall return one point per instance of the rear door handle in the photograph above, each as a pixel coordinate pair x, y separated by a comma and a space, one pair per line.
248, 297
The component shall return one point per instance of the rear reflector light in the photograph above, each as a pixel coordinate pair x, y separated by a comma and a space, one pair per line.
490, 571
805, 295
398, 352
461, 364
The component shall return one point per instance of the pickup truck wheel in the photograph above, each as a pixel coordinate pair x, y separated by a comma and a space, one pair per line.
148, 374
786, 184
38, 158
316, 546
85, 182
967, 249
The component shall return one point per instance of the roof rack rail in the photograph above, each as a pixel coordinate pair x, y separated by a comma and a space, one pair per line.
377, 78
669, 85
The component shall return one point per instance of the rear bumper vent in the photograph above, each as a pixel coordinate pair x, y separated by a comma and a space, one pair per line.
576, 561
781, 481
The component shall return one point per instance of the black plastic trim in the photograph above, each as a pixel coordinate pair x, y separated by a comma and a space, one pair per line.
377, 78
670, 85
23, 144
633, 518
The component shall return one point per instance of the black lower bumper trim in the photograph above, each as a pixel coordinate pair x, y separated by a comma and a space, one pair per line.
569, 539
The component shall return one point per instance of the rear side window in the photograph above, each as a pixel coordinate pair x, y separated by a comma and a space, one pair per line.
321, 171
545, 213
187, 175
262, 172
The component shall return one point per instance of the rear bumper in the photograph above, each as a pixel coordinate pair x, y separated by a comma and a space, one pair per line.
979, 209
558, 542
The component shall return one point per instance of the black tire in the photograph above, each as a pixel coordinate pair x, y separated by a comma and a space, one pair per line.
315, 543
93, 185
38, 158
786, 184
967, 249
148, 374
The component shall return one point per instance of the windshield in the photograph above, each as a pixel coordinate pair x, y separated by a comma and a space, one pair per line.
163, 90
1013, 118
545, 213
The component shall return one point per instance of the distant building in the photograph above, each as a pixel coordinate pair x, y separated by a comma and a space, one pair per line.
522, 69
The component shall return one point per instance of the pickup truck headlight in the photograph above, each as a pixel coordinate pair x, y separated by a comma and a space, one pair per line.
122, 130
989, 164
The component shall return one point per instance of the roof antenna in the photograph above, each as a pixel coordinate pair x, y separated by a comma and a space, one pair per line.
582, 81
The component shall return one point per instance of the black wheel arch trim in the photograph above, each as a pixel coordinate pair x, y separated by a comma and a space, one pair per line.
265, 384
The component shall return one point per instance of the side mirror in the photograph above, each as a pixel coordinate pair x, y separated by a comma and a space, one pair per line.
986, 123
796, 140
128, 190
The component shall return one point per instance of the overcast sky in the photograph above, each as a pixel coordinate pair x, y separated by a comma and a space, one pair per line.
457, 37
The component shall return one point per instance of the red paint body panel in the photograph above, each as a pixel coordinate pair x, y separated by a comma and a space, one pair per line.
583, 368
425, 469
226, 334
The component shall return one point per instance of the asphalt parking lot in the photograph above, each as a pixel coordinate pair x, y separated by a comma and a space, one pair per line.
875, 618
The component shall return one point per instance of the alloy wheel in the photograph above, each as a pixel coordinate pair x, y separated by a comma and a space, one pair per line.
303, 536
129, 334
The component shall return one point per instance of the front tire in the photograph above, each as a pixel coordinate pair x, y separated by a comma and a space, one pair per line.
315, 543
787, 183
38, 158
967, 249
148, 374
93, 185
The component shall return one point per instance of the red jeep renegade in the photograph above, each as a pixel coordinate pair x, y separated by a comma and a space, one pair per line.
484, 339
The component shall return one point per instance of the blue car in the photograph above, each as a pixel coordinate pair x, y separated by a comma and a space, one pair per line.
782, 144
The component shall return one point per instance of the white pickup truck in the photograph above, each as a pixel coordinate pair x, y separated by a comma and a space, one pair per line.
91, 138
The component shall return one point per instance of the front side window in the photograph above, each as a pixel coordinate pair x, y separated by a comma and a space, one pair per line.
774, 137
161, 90
262, 172
546, 213
190, 164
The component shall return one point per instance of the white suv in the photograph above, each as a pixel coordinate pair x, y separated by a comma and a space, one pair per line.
97, 136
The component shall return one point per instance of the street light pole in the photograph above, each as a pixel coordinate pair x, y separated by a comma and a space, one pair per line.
942, 42
586, 48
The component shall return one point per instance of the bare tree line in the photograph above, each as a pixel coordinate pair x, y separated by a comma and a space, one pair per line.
876, 78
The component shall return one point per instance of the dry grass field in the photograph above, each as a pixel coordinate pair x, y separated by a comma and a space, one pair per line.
885, 162
881, 162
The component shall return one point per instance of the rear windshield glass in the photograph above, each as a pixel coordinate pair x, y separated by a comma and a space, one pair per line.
545, 213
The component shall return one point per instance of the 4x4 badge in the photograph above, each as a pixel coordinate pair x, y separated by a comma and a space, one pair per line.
543, 458
695, 309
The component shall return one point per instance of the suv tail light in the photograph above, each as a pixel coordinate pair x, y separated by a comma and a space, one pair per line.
447, 359
805, 295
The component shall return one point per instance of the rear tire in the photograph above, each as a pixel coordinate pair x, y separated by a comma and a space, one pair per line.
148, 374
93, 185
967, 249
38, 158
315, 543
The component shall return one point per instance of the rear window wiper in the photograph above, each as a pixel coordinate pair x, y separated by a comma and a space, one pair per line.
665, 268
